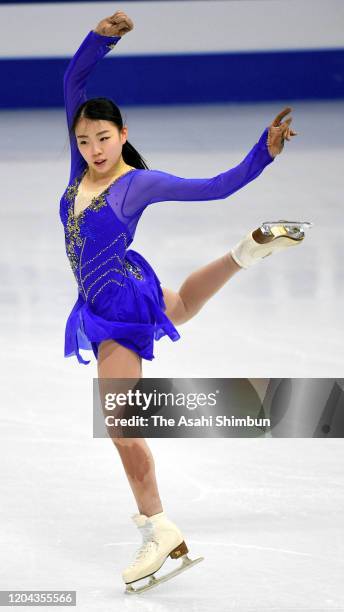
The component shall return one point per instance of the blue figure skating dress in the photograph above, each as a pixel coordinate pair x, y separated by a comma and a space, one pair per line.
119, 294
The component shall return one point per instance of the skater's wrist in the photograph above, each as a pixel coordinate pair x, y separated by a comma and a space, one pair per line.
263, 144
96, 35
270, 153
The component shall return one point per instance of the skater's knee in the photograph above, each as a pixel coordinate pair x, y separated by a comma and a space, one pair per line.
176, 309
135, 455
121, 442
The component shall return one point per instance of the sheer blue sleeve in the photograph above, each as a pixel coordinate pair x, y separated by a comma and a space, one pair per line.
149, 186
91, 50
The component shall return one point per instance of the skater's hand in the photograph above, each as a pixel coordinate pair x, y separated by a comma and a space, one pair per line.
278, 132
117, 24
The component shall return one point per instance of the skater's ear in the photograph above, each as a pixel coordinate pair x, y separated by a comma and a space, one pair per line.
124, 134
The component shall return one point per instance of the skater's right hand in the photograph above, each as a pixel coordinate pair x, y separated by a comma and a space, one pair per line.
278, 132
117, 24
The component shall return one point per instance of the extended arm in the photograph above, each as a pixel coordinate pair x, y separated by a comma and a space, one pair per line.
149, 186
93, 48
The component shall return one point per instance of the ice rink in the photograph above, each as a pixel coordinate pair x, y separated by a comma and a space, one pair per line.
267, 515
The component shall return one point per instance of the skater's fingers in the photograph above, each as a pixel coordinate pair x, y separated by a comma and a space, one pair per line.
116, 14
121, 17
122, 21
283, 113
289, 133
115, 25
112, 18
286, 123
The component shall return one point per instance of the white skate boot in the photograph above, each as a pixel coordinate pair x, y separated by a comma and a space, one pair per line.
161, 538
270, 237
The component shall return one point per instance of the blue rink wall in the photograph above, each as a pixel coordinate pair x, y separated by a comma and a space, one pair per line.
249, 51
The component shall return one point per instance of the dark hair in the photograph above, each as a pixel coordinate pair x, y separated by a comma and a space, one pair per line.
105, 108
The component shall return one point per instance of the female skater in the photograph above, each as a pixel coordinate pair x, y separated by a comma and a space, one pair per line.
121, 308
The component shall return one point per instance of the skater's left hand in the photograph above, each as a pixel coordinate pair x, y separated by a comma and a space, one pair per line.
279, 132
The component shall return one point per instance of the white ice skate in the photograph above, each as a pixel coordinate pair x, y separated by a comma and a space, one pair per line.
270, 237
161, 539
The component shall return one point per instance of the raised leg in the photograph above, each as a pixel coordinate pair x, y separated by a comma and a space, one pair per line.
198, 288
116, 361
270, 237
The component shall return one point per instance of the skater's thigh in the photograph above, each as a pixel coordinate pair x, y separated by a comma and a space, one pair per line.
175, 309
117, 361
119, 370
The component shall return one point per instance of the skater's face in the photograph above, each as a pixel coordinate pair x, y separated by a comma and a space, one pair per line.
100, 141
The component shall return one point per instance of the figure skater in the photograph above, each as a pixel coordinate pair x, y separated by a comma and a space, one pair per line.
121, 307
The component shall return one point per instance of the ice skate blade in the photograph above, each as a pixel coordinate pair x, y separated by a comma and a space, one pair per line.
292, 229
153, 582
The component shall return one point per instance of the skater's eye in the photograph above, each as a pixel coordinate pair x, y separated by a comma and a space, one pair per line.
103, 138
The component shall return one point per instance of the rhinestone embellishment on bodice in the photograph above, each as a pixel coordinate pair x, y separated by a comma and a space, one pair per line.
75, 245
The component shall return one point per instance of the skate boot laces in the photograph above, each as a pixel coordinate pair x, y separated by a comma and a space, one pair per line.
149, 541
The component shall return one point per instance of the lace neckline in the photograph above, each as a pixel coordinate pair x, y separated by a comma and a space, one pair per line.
96, 199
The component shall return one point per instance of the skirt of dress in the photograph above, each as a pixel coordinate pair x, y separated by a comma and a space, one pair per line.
132, 315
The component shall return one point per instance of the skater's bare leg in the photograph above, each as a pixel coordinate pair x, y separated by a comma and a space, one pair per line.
116, 361
260, 385
206, 281
198, 288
